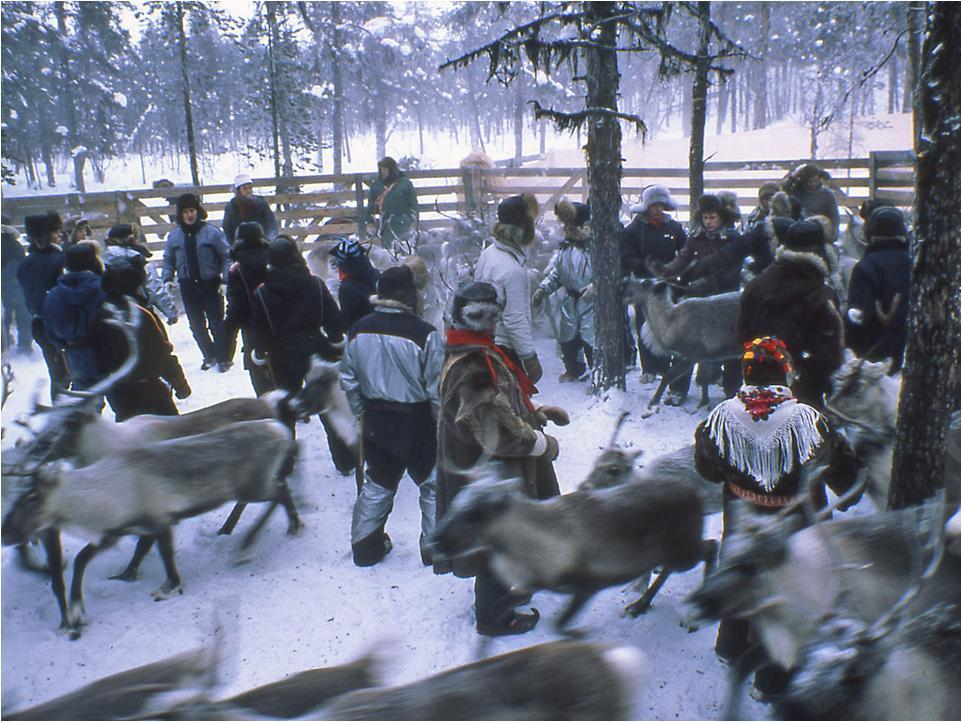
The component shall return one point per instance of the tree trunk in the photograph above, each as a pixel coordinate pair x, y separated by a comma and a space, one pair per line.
474, 112
337, 124
699, 105
519, 92
68, 102
185, 79
930, 378
723, 92
893, 85
604, 200
380, 119
48, 163
272, 86
916, 19
761, 79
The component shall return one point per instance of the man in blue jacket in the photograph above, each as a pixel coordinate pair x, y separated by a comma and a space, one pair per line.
199, 256
38, 274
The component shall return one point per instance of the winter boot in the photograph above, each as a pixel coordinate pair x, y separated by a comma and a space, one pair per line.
427, 494
369, 543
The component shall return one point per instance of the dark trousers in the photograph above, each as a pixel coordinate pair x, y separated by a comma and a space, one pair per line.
493, 602
571, 356
204, 306
52, 357
144, 396
15, 311
396, 441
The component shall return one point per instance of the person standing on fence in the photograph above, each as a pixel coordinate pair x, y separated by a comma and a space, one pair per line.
571, 269
245, 207
394, 199
806, 184
14, 304
503, 265
197, 254
38, 274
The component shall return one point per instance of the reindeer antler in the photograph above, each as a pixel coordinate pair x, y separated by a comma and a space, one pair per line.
128, 321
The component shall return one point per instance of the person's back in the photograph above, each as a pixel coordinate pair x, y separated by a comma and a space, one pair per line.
358, 281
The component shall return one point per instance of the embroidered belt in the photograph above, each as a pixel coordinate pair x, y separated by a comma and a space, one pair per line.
766, 500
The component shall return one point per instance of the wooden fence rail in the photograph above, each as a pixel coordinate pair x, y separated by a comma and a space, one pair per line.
317, 207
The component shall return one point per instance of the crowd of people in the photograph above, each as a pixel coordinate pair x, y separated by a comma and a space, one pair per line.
433, 405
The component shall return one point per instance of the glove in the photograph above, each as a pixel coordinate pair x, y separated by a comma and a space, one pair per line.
555, 414
258, 360
551, 453
538, 297
532, 367
182, 392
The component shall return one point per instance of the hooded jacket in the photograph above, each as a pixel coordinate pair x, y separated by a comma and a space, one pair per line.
246, 273
38, 273
68, 311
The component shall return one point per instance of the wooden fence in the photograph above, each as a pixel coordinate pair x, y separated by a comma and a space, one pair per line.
318, 207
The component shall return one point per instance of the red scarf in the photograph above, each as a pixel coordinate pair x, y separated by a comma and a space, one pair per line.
463, 337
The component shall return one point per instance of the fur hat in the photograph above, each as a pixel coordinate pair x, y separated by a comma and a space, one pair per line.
476, 307
122, 278
242, 179
729, 201
189, 200
56, 222
120, 232
419, 270
83, 256
249, 233
397, 284
886, 222
709, 203
516, 217
346, 248
828, 228
768, 190
37, 226
766, 361
284, 252
782, 205
805, 235
572, 213
654, 194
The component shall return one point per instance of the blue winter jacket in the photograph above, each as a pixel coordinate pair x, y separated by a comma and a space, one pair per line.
67, 313
38, 274
213, 254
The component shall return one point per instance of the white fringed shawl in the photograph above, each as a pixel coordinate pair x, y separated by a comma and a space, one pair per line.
765, 449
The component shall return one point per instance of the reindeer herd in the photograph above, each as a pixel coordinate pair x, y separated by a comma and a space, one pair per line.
862, 610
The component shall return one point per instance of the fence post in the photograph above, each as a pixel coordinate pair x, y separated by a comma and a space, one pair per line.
471, 178
872, 174
359, 203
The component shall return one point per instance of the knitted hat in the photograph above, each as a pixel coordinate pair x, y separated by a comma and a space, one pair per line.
766, 361
709, 203
397, 284
886, 222
346, 248
120, 231
284, 252
82, 257
572, 213
189, 200
249, 233
805, 236
767, 190
37, 226
654, 194
476, 307
242, 179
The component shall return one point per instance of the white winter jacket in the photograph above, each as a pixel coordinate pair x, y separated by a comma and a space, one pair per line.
503, 266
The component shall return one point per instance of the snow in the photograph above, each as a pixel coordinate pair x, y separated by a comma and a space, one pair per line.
300, 603
120, 99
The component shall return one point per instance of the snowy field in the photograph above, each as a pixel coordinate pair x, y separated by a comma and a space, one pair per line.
300, 602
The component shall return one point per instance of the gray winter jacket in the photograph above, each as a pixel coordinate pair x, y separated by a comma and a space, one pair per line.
503, 266
570, 268
213, 254
154, 290
392, 356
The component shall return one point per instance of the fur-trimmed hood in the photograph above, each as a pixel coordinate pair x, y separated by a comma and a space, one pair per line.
815, 260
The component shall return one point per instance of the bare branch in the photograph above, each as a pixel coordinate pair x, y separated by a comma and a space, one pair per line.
572, 121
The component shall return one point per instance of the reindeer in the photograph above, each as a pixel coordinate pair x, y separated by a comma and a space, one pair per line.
698, 330
567, 680
789, 581
582, 542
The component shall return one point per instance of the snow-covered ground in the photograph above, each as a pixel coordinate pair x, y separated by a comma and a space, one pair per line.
300, 602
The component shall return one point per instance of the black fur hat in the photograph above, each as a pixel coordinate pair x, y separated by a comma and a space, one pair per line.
805, 236
249, 233
82, 257
37, 226
476, 307
120, 231
56, 222
886, 222
122, 278
572, 213
709, 203
397, 284
189, 200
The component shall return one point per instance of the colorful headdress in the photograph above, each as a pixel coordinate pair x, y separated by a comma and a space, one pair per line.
766, 357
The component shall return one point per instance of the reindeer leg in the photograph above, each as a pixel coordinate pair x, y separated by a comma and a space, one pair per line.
233, 518
27, 562
644, 604
577, 601
76, 610
704, 402
165, 545
294, 523
51, 544
752, 658
252, 534
129, 574
709, 550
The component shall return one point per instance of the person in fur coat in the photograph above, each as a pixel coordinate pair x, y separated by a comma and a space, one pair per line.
792, 299
503, 265
758, 444
571, 268
487, 414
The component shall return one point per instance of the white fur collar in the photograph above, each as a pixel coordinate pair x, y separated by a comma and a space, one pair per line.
803, 257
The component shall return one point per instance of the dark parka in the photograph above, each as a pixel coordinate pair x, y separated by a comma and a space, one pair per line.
884, 271
480, 419
706, 265
289, 311
245, 275
399, 208
642, 240
242, 210
791, 299
68, 312
760, 242
358, 284
38, 273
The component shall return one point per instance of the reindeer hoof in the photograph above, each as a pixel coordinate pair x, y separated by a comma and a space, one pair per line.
689, 625
165, 591
125, 576
225, 530
636, 609
573, 633
295, 528
74, 633
649, 411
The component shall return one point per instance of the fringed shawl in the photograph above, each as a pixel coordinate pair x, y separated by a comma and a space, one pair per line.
765, 448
